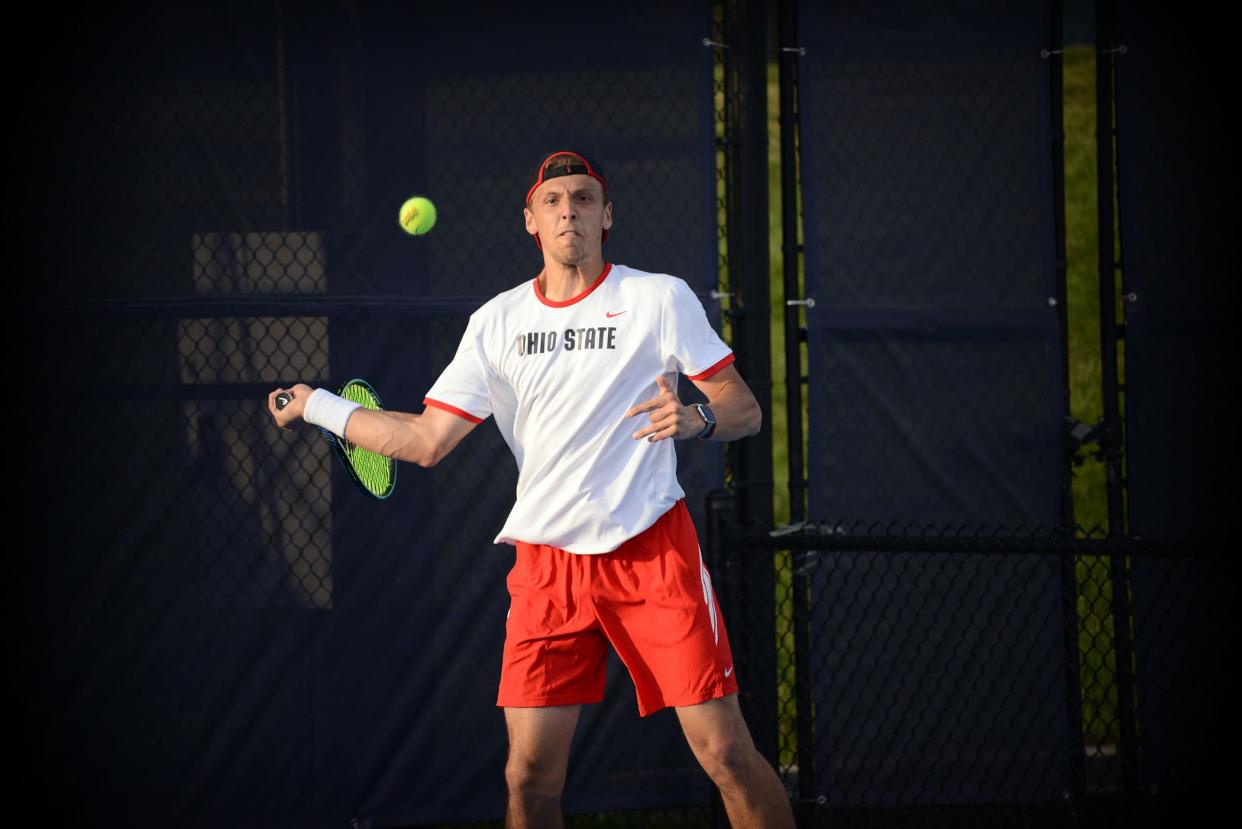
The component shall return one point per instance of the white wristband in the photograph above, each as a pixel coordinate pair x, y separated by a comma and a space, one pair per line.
323, 408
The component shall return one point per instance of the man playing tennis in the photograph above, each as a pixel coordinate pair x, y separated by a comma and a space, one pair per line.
578, 368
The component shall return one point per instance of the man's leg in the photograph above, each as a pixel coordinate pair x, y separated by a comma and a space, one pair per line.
752, 793
539, 740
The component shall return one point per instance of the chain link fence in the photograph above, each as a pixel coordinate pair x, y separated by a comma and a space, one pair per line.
223, 629
926, 676
244, 169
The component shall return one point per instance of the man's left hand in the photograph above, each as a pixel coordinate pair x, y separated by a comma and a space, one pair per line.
669, 419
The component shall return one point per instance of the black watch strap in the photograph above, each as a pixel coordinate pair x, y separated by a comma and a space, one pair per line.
708, 418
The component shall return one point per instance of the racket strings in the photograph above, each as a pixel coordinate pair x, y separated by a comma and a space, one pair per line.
374, 471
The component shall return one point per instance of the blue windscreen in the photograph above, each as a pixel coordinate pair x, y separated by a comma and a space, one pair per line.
935, 394
220, 630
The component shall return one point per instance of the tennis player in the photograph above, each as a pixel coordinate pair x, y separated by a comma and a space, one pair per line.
579, 367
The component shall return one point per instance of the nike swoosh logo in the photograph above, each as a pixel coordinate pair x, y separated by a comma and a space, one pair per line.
610, 315
729, 672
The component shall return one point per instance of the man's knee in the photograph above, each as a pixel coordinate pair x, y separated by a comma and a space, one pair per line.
729, 761
531, 778
539, 741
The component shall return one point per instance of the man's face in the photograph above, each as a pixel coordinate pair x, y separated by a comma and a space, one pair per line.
570, 216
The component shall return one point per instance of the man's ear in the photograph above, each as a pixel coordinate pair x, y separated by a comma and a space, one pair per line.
608, 215
531, 228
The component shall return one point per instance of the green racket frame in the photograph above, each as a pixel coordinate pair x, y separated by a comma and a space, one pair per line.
374, 474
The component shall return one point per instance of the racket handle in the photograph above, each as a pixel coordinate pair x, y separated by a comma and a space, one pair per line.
282, 400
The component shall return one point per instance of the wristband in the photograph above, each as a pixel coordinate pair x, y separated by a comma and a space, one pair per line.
323, 408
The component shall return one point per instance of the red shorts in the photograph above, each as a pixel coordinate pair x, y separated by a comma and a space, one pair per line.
651, 598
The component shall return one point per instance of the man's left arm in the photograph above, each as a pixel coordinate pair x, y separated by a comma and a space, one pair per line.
737, 412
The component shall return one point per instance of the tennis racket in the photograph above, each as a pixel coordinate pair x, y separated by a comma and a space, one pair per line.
373, 473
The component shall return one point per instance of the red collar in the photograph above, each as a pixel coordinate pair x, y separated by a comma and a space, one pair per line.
552, 303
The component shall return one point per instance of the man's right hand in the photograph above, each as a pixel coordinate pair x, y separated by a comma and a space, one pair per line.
290, 417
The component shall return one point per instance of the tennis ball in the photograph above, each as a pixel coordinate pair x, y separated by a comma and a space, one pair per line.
417, 215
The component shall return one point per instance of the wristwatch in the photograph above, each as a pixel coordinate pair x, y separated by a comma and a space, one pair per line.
708, 418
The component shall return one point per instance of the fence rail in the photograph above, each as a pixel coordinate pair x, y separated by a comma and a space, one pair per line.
937, 675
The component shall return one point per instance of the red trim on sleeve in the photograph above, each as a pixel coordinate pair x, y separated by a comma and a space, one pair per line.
703, 375
553, 303
427, 401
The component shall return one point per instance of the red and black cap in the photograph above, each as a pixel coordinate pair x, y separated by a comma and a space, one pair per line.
568, 163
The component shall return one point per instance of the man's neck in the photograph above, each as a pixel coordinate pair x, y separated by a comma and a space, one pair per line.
561, 282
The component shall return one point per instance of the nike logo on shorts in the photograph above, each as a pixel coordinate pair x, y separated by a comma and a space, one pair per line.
729, 672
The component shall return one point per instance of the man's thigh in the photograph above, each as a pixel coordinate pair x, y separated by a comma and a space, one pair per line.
713, 723
554, 653
654, 600
539, 738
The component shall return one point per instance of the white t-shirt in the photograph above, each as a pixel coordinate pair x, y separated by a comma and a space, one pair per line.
559, 378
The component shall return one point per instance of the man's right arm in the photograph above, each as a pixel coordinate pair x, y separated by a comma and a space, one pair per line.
423, 439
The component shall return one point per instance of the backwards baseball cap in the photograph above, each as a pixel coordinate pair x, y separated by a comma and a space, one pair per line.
565, 163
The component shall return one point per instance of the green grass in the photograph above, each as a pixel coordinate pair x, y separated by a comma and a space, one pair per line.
1082, 245
778, 417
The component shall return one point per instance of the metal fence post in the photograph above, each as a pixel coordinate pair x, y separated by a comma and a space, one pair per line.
1110, 339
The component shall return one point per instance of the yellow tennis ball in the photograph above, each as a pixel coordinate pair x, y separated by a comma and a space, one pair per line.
417, 215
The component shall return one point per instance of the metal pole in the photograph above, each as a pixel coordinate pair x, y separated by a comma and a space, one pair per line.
1110, 334
746, 34
1110, 337
791, 252
749, 237
795, 335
